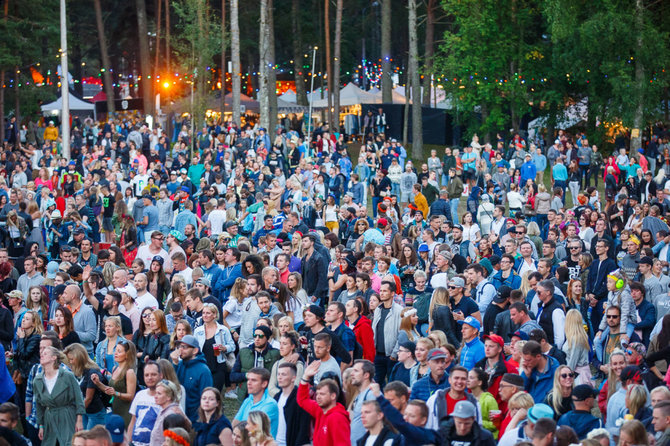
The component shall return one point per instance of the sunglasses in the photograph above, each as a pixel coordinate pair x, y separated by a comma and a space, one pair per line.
630, 352
144, 316
575, 247
451, 287
612, 316
259, 336
567, 375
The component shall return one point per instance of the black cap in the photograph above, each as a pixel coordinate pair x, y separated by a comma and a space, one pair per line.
158, 259
583, 391
514, 379
646, 260
630, 372
75, 270
409, 345
59, 290
503, 294
459, 227
79, 230
317, 311
266, 331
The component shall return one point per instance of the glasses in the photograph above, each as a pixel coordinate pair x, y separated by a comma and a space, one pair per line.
407, 351
146, 315
157, 238
451, 287
630, 352
612, 316
259, 336
575, 247
567, 375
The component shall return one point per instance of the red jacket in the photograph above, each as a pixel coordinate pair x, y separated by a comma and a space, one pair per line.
332, 428
365, 336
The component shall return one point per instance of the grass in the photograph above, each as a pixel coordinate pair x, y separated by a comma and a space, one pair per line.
230, 408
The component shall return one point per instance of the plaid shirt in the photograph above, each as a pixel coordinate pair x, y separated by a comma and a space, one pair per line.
37, 368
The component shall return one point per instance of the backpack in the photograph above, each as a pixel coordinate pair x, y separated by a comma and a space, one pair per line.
358, 350
422, 305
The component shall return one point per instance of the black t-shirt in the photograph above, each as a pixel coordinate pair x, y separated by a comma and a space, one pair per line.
467, 306
108, 203
575, 269
383, 185
96, 405
379, 344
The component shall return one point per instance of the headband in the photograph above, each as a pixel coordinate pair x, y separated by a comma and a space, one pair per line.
411, 312
613, 277
176, 437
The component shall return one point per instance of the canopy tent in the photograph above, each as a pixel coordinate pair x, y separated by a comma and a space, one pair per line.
78, 107
213, 102
289, 97
349, 95
101, 96
289, 107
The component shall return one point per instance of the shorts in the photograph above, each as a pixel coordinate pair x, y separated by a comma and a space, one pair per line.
332, 225
468, 174
107, 225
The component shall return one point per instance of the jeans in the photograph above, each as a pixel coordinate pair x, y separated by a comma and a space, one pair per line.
595, 174
383, 367
395, 188
652, 164
584, 175
453, 205
574, 191
93, 419
562, 185
375, 202
598, 341
541, 220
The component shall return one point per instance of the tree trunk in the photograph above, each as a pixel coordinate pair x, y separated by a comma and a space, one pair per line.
223, 59
235, 56
298, 69
157, 49
638, 117
272, 73
417, 125
145, 64
387, 83
264, 87
106, 65
167, 36
429, 52
2, 83
336, 69
17, 104
329, 63
408, 93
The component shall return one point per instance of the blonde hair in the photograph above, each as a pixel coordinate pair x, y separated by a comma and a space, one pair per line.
82, 361
612, 377
38, 328
171, 388
406, 323
636, 398
442, 338
555, 396
262, 422
440, 298
173, 336
575, 334
117, 321
521, 400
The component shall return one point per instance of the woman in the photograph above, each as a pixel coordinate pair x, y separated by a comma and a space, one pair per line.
84, 368
289, 344
7, 283
576, 300
421, 369
104, 352
122, 380
232, 310
294, 283
574, 181
560, 396
157, 283
613, 383
636, 404
63, 324
576, 346
471, 230
181, 329
291, 305
216, 344
658, 354
258, 426
17, 231
212, 426
408, 264
176, 436
517, 410
58, 401
633, 433
38, 301
27, 351
166, 397
143, 333
252, 265
33, 211
440, 316
403, 368
646, 239
158, 344
477, 384
128, 241
407, 331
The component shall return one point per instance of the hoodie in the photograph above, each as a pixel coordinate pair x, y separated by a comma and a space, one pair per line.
477, 435
364, 335
194, 375
539, 384
331, 428
581, 421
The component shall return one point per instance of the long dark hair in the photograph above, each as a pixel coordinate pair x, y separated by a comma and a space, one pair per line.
663, 338
281, 294
413, 258
256, 262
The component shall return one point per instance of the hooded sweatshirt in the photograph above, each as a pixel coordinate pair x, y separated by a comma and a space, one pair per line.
331, 428
194, 375
364, 335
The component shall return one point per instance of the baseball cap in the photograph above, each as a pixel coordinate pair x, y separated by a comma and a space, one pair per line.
521, 335
436, 353
494, 259
464, 409
459, 227
317, 311
457, 282
503, 294
204, 281
115, 426
190, 340
471, 321
514, 379
174, 172
408, 345
630, 372
183, 170
52, 269
539, 411
382, 222
583, 392
56, 214
495, 338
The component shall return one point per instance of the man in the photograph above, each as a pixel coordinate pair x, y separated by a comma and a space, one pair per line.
472, 349
386, 325
293, 424
544, 432
108, 307
498, 305
580, 418
150, 219
485, 291
314, 270
629, 263
181, 268
259, 399
154, 248
440, 276
314, 322
229, 274
375, 430
494, 363
442, 403
362, 373
464, 248
424, 387
331, 419
211, 270
652, 284
86, 257
335, 318
9, 419
645, 310
83, 316
538, 335
192, 372
528, 169
144, 409
525, 263
121, 284
397, 394
454, 191
661, 422
510, 385
18, 309
596, 283
600, 235
144, 298
30, 278
506, 275
604, 346
267, 228
217, 217
328, 366
550, 315
462, 428
252, 356
461, 306
537, 371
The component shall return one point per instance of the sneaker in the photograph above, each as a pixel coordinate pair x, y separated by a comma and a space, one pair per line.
231, 395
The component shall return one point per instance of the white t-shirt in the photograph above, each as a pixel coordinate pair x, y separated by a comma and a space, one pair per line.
187, 274
146, 255
146, 300
234, 309
146, 411
281, 426
217, 218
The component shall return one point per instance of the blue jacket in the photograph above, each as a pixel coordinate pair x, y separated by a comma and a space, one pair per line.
226, 281
195, 376
7, 387
425, 387
647, 312
472, 353
513, 281
213, 273
528, 171
596, 283
412, 434
539, 384
582, 422
440, 207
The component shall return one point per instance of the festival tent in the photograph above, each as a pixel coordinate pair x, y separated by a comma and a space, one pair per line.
349, 95
289, 96
78, 107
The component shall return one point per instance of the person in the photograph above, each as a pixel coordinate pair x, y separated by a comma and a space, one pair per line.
361, 377
494, 364
9, 419
472, 350
402, 370
258, 427
260, 352
462, 427
259, 399
58, 400
83, 317
661, 422
386, 325
215, 342
537, 371
376, 431
166, 397
176, 436
435, 379
632, 432
122, 379
525, 430
550, 315
332, 425
576, 346
559, 397
442, 403
511, 385
212, 426
144, 409
294, 423
84, 368
486, 403
314, 270
192, 372
580, 418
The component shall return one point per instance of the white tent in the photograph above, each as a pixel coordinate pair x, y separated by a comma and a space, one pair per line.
289, 96
349, 95
76, 105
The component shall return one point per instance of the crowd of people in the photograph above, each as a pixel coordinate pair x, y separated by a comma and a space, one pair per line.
153, 277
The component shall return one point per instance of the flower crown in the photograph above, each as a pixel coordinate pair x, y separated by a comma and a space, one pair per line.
176, 437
